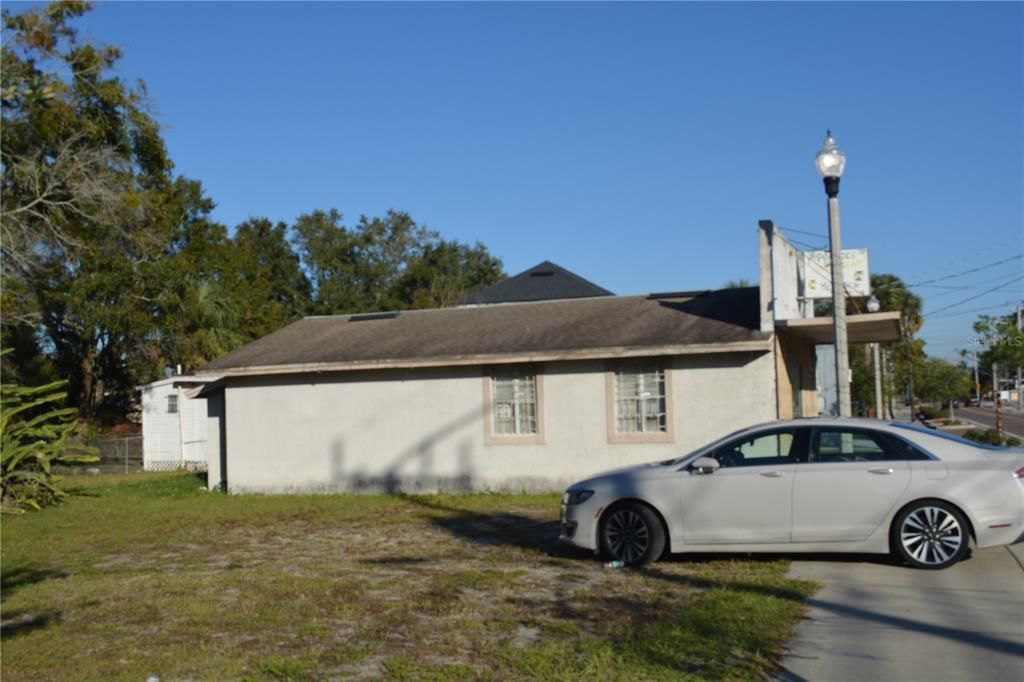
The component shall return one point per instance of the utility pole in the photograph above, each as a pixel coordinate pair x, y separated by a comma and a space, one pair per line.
889, 384
879, 410
995, 397
1019, 387
977, 382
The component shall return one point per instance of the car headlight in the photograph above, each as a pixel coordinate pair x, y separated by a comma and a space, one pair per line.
578, 496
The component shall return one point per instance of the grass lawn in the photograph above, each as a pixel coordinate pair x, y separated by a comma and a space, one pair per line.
147, 574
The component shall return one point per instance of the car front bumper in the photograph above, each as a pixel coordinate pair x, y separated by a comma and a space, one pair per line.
579, 524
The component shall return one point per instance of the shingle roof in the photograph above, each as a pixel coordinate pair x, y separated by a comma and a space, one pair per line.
611, 326
544, 282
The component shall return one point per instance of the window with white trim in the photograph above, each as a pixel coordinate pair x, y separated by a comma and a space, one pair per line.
172, 403
514, 402
640, 399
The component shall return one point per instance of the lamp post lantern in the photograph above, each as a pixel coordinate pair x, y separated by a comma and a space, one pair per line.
831, 162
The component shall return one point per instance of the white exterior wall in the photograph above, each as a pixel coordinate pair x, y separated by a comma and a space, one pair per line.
193, 428
168, 436
423, 430
161, 430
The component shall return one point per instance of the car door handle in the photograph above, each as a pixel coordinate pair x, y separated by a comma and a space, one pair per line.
773, 474
881, 471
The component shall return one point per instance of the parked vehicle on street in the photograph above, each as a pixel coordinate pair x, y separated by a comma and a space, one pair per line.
808, 485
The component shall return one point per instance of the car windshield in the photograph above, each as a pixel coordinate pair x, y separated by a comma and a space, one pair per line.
946, 436
709, 446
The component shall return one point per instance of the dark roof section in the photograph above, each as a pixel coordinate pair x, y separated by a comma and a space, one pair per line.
608, 326
544, 282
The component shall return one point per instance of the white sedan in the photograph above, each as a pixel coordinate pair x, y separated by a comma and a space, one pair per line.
808, 485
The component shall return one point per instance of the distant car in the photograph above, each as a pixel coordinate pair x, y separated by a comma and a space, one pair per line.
974, 401
808, 485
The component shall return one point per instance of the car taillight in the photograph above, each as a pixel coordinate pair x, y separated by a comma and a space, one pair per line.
1019, 473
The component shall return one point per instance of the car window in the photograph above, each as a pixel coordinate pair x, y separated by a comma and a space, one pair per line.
764, 449
846, 445
905, 449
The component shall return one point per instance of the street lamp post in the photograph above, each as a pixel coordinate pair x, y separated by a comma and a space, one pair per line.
831, 162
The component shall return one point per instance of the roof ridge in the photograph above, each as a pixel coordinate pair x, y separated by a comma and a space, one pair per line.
464, 306
579, 278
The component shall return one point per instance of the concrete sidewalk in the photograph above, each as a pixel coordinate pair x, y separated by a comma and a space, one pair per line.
875, 620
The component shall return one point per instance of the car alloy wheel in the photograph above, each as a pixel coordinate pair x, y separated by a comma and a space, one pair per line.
633, 535
931, 535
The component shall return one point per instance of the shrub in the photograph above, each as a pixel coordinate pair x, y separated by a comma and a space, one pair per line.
34, 433
992, 437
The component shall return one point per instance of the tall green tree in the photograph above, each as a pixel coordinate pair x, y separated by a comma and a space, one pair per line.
1001, 342
386, 263
266, 278
906, 355
941, 381
95, 224
444, 273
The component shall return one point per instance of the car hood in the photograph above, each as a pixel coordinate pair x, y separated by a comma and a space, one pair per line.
626, 474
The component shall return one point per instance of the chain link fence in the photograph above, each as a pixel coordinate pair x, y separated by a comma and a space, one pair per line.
116, 455
123, 455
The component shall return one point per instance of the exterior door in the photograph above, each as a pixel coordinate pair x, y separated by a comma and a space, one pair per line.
747, 500
851, 481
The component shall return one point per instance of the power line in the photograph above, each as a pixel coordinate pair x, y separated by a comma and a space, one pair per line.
953, 276
971, 298
809, 234
978, 285
809, 245
963, 258
973, 310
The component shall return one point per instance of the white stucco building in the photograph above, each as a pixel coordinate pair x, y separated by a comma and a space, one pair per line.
540, 380
174, 425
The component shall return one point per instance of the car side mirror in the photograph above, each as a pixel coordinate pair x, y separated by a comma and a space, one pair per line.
705, 465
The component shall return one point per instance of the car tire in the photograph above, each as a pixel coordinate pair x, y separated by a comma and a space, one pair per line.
930, 534
632, 533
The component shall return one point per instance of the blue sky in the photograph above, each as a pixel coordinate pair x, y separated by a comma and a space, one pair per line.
636, 144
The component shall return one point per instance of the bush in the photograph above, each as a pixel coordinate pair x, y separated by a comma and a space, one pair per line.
33, 435
992, 437
931, 412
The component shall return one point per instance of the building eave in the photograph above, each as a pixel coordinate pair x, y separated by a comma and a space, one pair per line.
750, 346
864, 328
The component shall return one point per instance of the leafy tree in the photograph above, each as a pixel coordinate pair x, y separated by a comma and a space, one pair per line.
266, 278
1002, 340
906, 355
112, 268
96, 227
741, 283
388, 263
444, 273
939, 381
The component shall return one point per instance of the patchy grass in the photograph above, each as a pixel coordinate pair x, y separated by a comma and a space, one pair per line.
144, 575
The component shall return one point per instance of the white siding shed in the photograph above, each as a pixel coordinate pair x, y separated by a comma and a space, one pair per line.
174, 425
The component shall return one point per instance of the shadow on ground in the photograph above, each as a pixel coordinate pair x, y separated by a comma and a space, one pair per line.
20, 621
497, 528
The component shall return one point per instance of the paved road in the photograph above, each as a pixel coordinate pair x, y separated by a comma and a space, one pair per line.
877, 621
1013, 421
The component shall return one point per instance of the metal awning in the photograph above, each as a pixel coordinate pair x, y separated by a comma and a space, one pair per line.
864, 328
